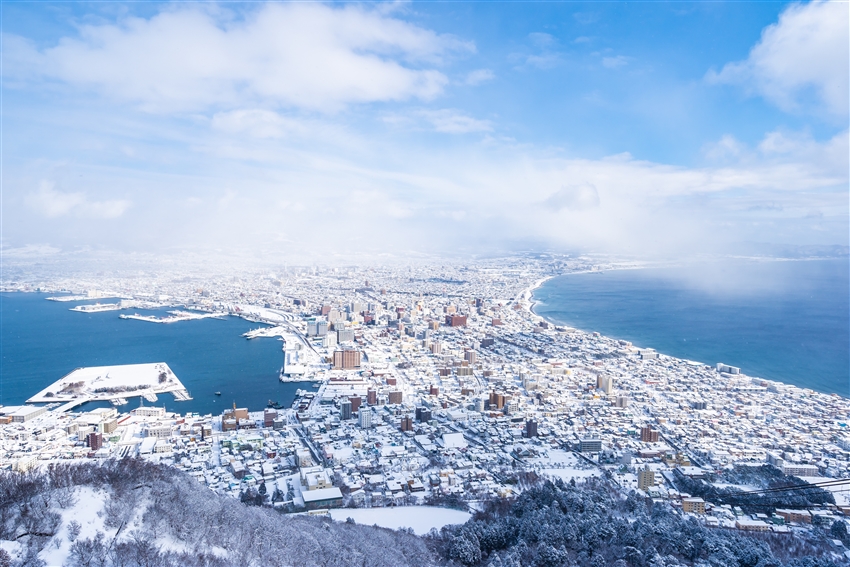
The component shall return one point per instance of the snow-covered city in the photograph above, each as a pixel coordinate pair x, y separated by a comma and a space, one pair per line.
438, 386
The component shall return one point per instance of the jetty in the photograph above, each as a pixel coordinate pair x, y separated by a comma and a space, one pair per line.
114, 384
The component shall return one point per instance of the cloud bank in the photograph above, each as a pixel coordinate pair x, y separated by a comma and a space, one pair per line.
312, 130
308, 56
801, 61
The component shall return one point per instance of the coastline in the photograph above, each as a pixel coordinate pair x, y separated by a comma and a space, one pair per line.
526, 298
755, 371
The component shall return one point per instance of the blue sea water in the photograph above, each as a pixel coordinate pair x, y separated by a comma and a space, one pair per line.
782, 320
41, 341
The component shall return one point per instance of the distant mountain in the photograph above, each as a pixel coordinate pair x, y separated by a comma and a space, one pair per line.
790, 251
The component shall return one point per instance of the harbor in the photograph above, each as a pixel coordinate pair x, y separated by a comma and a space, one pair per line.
114, 384
175, 317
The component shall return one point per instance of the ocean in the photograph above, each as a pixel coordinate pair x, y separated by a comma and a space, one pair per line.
783, 320
41, 341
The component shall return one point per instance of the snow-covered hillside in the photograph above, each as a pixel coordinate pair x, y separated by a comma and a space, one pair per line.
132, 513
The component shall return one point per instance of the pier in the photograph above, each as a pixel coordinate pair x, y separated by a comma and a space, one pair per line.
114, 384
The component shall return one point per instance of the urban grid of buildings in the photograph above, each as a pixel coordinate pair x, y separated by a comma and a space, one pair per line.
439, 380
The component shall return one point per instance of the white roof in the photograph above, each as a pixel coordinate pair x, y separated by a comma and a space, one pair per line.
454, 440
321, 494
147, 445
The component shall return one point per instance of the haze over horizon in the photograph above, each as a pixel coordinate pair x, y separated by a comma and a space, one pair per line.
423, 128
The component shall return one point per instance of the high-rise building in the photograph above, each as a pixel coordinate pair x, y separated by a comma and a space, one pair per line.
269, 415
321, 328
605, 383
470, 356
622, 401
94, 440
395, 397
648, 435
423, 414
590, 445
365, 416
456, 320
530, 428
371, 397
345, 335
646, 479
436, 347
406, 423
312, 328
497, 401
355, 402
346, 359
434, 390
345, 410
479, 404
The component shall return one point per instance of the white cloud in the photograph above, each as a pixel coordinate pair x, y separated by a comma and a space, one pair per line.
544, 60
258, 123
805, 53
546, 54
781, 148
308, 56
542, 40
615, 62
254, 191
479, 76
573, 197
30, 251
451, 121
53, 204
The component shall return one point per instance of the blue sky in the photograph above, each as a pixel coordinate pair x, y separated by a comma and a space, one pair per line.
629, 128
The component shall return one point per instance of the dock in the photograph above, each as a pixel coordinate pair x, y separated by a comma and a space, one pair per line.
114, 384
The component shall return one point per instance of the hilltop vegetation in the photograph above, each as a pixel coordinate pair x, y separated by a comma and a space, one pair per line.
129, 512
558, 524
150, 515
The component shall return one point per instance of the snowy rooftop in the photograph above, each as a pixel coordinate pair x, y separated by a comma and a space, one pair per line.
106, 382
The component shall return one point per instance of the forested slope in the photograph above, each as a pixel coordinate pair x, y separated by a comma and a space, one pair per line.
132, 513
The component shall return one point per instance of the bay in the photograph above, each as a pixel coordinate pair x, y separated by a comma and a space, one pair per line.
782, 320
41, 341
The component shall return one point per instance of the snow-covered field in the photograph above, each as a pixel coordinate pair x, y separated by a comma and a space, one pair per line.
420, 518
564, 465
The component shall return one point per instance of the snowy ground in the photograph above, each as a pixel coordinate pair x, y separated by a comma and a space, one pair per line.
142, 376
564, 465
87, 512
840, 491
742, 487
420, 518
